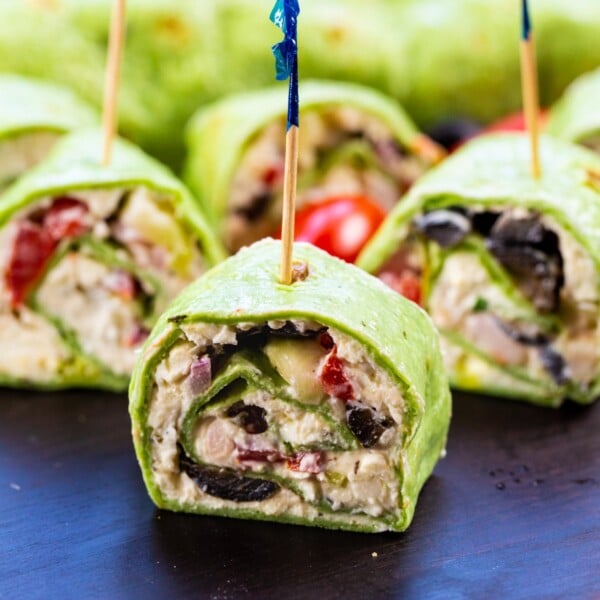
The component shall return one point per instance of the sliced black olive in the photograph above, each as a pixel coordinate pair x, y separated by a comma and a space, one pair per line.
553, 361
522, 334
527, 231
539, 276
256, 208
290, 330
451, 132
483, 221
555, 364
531, 253
227, 484
366, 424
445, 227
118, 209
355, 134
252, 417
253, 338
258, 335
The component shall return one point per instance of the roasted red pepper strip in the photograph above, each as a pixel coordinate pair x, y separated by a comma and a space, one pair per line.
272, 174
306, 462
32, 248
34, 245
302, 462
247, 454
65, 218
334, 380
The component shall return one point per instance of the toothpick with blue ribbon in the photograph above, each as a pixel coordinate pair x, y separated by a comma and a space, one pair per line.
285, 16
529, 83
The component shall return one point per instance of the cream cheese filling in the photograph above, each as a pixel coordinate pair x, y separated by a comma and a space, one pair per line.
107, 325
463, 280
31, 348
361, 482
104, 323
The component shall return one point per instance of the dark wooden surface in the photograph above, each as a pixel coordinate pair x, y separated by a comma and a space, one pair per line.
512, 512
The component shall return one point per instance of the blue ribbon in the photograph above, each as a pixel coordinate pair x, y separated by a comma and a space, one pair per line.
526, 31
285, 16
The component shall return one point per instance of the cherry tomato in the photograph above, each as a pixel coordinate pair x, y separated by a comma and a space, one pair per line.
515, 122
341, 225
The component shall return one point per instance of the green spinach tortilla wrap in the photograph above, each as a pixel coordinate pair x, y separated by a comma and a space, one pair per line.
576, 117
353, 141
33, 116
320, 403
440, 58
508, 267
90, 256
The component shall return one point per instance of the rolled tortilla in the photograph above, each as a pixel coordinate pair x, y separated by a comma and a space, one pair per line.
90, 256
33, 116
508, 267
353, 141
183, 54
256, 400
575, 117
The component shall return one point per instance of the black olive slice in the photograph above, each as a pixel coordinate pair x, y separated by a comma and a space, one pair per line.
522, 334
445, 227
531, 253
527, 231
450, 132
252, 417
227, 484
258, 335
539, 276
483, 221
366, 424
256, 208
290, 330
555, 365
254, 338
552, 361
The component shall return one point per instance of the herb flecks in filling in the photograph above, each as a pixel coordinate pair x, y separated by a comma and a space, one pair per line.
466, 294
97, 266
302, 410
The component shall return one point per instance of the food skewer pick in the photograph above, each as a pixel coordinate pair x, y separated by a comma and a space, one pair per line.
284, 15
111, 82
529, 83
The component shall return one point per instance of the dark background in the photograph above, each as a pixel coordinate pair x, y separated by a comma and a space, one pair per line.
513, 511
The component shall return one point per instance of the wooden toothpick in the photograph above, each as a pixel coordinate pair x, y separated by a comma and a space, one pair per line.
285, 16
289, 204
111, 81
529, 85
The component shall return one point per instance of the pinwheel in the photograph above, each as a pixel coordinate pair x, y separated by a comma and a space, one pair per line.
260, 400
354, 142
507, 266
91, 255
